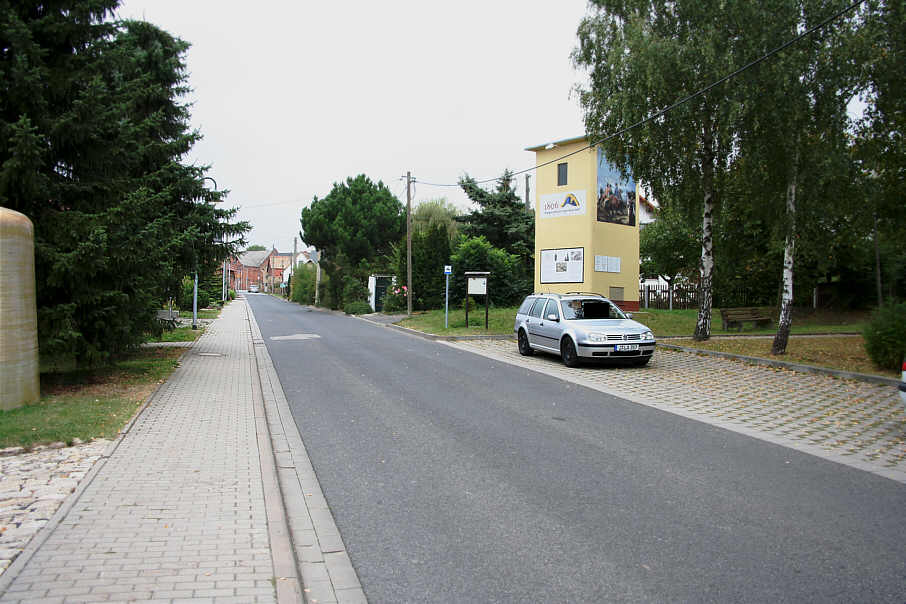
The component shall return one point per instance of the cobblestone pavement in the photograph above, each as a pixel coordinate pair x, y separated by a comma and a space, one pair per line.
852, 422
32, 487
177, 511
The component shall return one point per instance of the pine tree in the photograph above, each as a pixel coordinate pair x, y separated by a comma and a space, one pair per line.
94, 132
501, 218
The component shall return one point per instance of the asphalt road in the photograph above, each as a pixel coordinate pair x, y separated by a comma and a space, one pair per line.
453, 478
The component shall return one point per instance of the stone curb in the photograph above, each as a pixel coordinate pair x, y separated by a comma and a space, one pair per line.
13, 570
326, 571
436, 338
287, 583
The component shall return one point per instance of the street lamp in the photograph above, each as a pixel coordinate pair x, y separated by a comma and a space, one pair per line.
195, 289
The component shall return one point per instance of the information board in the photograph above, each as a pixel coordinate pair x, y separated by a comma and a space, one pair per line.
564, 265
478, 285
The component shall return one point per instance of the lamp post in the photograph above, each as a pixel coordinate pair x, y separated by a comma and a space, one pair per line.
195, 289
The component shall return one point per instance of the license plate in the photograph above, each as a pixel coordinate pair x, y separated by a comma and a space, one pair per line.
625, 347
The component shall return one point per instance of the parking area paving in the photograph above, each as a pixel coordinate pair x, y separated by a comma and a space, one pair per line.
848, 421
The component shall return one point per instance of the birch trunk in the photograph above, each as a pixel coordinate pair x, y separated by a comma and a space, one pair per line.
706, 264
789, 254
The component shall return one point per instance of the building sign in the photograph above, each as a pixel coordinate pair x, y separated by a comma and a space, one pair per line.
571, 203
565, 265
607, 264
615, 194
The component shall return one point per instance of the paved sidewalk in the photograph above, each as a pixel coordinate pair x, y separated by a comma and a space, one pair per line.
851, 422
182, 507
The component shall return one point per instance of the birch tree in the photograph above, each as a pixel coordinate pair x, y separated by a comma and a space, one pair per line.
642, 57
797, 129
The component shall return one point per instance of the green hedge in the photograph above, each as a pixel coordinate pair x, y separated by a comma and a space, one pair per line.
885, 336
357, 308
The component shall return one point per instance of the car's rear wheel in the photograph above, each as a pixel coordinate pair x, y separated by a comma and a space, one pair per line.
568, 352
524, 348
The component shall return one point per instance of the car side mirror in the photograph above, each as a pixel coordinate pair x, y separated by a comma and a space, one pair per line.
553, 317
629, 315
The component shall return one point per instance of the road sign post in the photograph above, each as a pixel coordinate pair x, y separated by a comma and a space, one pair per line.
447, 271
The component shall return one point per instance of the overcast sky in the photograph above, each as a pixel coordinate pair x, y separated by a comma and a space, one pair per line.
294, 96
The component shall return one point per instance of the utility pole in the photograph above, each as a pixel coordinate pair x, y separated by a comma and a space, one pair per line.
316, 256
292, 267
409, 244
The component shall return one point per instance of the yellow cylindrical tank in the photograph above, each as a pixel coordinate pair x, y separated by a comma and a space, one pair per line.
18, 311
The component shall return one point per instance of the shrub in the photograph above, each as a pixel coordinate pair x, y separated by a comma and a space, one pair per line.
325, 291
204, 299
885, 336
395, 298
232, 294
508, 283
354, 289
303, 284
430, 253
186, 295
470, 302
357, 308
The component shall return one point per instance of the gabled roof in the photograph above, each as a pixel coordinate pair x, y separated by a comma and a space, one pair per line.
255, 258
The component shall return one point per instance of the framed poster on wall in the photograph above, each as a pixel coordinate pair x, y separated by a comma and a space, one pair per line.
563, 265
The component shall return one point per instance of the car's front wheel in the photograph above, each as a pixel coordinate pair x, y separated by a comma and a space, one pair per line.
568, 352
524, 348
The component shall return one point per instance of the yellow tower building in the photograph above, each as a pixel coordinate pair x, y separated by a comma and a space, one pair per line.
586, 224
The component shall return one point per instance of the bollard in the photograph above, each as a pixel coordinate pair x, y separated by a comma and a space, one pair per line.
18, 312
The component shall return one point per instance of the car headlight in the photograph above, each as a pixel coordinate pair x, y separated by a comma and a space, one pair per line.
647, 336
597, 337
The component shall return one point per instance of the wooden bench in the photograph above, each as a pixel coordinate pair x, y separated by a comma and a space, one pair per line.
735, 317
169, 318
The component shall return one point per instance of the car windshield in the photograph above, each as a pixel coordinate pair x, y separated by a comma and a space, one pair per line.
590, 309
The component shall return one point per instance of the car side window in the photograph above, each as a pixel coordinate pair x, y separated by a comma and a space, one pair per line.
538, 308
552, 309
526, 306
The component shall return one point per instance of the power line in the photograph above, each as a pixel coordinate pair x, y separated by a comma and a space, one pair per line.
274, 203
679, 103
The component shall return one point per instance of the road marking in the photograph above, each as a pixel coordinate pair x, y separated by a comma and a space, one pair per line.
297, 336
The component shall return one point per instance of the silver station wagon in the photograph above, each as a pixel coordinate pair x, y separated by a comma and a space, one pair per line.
581, 326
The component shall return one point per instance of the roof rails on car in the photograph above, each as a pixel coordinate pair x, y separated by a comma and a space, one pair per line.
585, 294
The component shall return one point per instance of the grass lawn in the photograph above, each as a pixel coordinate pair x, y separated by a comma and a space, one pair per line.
180, 334
662, 322
203, 313
88, 404
846, 353
500, 321
682, 322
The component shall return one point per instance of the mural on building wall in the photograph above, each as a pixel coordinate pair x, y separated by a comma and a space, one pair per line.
615, 194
